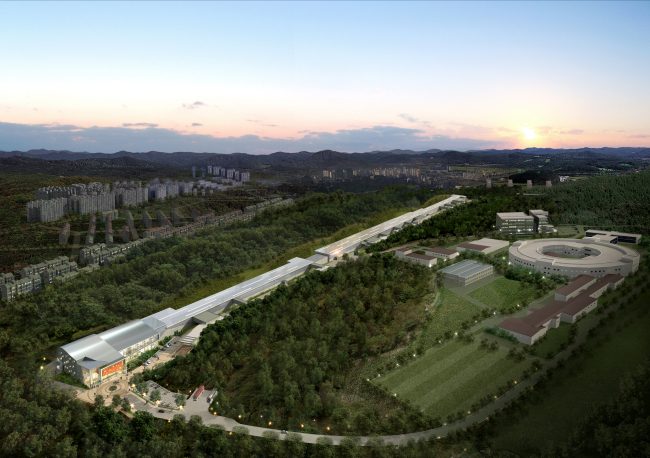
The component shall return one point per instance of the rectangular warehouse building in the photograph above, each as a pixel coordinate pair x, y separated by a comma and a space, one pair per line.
443, 253
485, 246
466, 272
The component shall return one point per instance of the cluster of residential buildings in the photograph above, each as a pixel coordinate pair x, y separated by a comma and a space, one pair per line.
101, 255
396, 172
36, 276
52, 203
231, 174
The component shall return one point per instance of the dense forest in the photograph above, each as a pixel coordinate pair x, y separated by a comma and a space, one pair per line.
615, 203
285, 356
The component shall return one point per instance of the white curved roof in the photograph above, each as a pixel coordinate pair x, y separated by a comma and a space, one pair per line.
610, 255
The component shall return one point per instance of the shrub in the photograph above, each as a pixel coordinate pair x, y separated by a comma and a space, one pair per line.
502, 333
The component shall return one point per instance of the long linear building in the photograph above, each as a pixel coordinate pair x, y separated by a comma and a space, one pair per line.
383, 230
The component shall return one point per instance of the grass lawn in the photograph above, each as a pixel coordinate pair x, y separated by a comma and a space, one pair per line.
452, 377
571, 392
434, 200
502, 293
448, 316
555, 338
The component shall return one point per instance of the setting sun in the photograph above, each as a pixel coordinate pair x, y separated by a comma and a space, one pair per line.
529, 132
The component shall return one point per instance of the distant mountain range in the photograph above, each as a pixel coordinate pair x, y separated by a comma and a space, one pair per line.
324, 159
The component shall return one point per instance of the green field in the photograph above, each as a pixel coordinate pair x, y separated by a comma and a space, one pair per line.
572, 391
554, 338
451, 311
452, 377
502, 293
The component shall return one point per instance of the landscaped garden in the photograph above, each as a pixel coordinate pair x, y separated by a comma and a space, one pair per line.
504, 294
453, 377
67, 378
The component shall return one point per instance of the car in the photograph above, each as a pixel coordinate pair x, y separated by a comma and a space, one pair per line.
146, 364
169, 344
161, 411
283, 432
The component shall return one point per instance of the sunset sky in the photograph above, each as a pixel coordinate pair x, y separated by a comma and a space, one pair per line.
290, 76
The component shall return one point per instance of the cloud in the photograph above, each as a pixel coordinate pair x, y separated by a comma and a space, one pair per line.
269, 125
505, 129
470, 130
620, 131
194, 105
638, 136
542, 130
196, 124
24, 137
571, 132
413, 120
139, 124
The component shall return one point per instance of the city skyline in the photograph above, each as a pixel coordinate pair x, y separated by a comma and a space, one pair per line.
354, 77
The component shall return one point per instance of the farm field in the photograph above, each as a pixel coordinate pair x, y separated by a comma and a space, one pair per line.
503, 293
572, 392
451, 311
452, 377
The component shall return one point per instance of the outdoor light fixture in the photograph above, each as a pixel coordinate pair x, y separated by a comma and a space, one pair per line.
328, 428
270, 423
302, 426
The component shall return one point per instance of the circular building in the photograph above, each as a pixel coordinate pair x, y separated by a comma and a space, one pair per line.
572, 257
